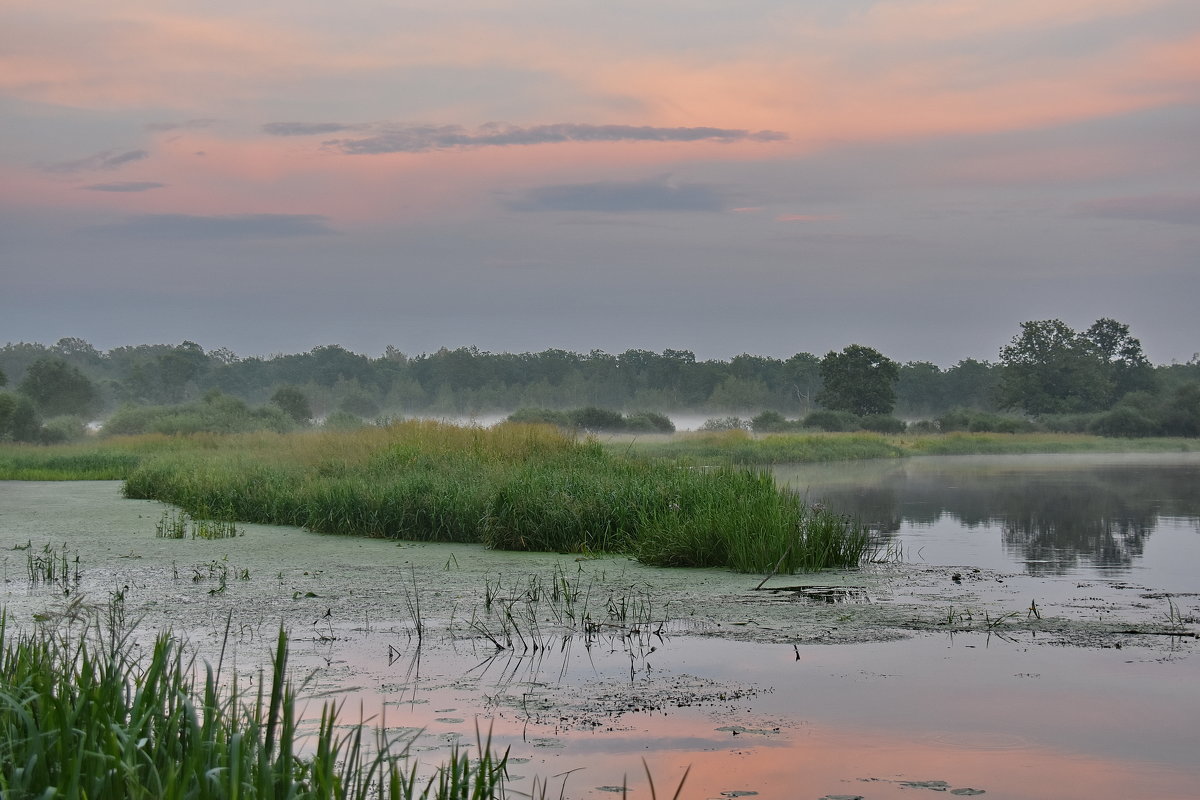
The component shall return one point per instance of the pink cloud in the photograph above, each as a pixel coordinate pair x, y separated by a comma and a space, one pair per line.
808, 218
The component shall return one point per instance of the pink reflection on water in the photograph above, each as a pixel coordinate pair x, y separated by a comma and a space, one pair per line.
885, 720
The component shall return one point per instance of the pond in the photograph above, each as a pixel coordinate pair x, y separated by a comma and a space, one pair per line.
931, 675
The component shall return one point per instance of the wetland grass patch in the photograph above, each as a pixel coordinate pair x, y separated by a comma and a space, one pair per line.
514, 487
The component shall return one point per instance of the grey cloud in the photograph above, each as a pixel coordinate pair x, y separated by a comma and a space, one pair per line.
307, 128
124, 186
1176, 209
623, 196
190, 124
228, 226
107, 159
420, 138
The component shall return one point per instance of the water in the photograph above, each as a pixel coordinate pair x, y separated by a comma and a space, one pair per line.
1010, 712
1128, 516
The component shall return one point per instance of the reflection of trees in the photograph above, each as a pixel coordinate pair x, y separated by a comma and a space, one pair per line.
1056, 526
1052, 517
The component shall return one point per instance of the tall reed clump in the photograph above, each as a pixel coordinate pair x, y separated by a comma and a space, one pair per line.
514, 486
86, 718
741, 519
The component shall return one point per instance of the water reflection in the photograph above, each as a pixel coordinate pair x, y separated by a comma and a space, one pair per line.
1055, 514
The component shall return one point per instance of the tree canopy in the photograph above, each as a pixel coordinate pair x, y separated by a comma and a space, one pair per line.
293, 402
1049, 368
56, 388
860, 380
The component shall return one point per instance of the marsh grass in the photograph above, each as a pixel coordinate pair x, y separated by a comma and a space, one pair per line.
513, 487
49, 565
107, 460
84, 716
739, 447
175, 524
535, 613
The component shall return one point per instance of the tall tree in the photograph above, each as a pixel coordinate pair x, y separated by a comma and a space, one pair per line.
1128, 368
860, 380
802, 376
920, 387
1051, 369
56, 387
178, 368
293, 402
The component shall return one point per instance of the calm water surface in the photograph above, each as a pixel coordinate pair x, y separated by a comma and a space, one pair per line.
1135, 517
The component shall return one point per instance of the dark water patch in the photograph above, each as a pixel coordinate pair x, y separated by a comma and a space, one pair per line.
829, 595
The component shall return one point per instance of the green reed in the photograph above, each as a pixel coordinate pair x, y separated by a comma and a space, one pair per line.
515, 487
84, 716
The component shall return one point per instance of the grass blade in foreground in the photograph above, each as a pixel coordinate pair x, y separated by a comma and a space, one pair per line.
83, 717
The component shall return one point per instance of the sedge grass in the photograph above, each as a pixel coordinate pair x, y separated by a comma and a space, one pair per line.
516, 487
86, 717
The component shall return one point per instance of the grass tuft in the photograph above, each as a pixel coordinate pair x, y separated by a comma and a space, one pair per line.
86, 717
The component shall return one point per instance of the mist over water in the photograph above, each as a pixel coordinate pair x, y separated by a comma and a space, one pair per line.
1133, 515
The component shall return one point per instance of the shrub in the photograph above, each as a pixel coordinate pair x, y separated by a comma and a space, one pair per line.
359, 403
834, 421
343, 421
293, 402
719, 424
769, 422
597, 419
649, 421
1181, 413
1124, 421
883, 423
976, 421
216, 413
65, 428
19, 421
1067, 423
540, 416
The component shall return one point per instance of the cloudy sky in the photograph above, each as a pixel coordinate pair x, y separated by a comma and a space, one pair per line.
764, 176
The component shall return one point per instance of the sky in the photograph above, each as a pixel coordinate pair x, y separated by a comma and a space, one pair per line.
761, 176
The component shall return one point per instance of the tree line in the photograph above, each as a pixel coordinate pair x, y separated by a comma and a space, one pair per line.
1048, 369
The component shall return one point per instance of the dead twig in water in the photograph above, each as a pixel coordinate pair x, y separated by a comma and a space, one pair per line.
778, 564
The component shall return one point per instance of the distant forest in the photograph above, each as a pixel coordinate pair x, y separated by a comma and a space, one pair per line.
1047, 369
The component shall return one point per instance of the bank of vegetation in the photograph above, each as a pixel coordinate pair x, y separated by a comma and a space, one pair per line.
739, 446
514, 487
83, 715
1049, 376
